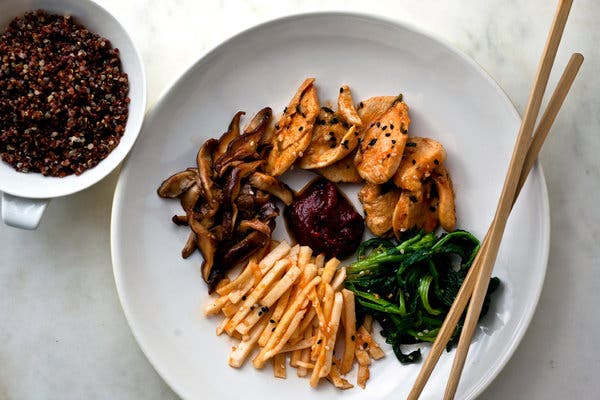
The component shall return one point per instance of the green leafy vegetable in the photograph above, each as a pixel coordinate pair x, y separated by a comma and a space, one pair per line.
409, 286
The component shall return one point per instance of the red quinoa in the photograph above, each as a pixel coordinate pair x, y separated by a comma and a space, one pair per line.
63, 95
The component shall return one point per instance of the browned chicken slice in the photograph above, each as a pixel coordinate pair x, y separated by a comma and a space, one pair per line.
332, 140
380, 152
415, 210
371, 109
421, 156
379, 207
293, 132
446, 209
342, 171
346, 107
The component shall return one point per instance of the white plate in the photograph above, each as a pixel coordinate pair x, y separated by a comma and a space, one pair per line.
450, 98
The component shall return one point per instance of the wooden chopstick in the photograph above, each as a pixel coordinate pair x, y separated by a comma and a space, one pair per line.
552, 109
464, 294
507, 196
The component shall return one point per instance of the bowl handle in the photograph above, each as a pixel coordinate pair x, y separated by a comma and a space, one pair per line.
22, 212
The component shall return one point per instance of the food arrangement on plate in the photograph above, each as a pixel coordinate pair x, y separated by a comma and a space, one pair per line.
287, 300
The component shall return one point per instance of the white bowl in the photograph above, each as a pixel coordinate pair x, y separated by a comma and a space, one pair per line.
25, 195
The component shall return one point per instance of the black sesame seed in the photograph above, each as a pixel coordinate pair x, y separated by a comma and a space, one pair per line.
285, 110
436, 162
319, 341
341, 90
413, 199
272, 321
273, 330
361, 105
300, 129
411, 144
383, 128
243, 297
387, 134
393, 141
378, 124
414, 162
327, 109
353, 338
432, 209
277, 126
334, 120
391, 126
372, 142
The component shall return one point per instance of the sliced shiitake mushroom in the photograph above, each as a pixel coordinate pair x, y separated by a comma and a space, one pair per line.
180, 220
234, 255
207, 244
268, 211
205, 171
189, 199
272, 185
233, 131
254, 224
259, 122
244, 147
190, 245
177, 184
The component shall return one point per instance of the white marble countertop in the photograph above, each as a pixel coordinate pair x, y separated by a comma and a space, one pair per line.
63, 334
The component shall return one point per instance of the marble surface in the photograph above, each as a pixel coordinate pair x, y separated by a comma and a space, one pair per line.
62, 332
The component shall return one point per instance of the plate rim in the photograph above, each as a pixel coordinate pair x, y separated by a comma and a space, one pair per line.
524, 324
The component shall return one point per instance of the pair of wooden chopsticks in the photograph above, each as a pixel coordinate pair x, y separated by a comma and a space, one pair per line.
524, 155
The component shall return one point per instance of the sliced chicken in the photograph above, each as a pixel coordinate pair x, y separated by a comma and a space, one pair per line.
341, 171
331, 141
373, 108
446, 209
379, 207
378, 156
415, 210
346, 107
421, 156
293, 132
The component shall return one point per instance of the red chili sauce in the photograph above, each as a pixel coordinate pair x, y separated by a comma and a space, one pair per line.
322, 218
